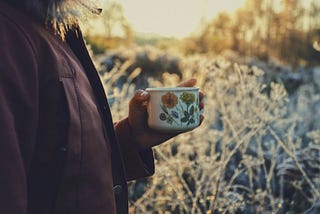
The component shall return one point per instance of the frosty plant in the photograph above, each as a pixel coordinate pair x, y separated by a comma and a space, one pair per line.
246, 157
179, 110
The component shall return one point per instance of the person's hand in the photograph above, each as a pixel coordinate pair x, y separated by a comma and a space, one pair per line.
144, 136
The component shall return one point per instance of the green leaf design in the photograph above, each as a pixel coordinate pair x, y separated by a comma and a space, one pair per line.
164, 109
191, 120
184, 119
191, 110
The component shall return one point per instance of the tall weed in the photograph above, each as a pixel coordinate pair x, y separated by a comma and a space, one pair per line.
246, 157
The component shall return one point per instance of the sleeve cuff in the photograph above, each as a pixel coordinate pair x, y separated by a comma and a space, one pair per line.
137, 164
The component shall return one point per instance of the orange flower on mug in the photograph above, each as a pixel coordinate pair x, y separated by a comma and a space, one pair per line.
169, 100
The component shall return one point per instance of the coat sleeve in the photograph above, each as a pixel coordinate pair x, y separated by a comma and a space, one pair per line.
138, 164
18, 107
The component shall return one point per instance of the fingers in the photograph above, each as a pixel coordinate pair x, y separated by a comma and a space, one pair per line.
188, 83
201, 105
201, 96
139, 99
201, 119
138, 109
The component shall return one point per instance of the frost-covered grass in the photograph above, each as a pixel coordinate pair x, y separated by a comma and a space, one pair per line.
250, 155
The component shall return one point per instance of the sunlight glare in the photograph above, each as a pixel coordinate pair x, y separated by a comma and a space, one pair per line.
176, 18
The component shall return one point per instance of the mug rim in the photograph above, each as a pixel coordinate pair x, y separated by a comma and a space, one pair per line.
173, 89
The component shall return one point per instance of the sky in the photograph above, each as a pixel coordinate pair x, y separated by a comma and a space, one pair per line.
173, 18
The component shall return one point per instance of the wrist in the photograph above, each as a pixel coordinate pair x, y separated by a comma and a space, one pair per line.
126, 134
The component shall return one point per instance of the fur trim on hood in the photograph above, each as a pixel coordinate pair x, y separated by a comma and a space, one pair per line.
61, 15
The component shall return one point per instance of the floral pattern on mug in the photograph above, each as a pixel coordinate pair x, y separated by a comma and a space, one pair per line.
179, 110
169, 100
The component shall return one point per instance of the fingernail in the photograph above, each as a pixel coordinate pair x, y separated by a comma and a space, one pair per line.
144, 94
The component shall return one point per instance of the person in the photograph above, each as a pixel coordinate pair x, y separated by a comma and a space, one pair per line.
60, 151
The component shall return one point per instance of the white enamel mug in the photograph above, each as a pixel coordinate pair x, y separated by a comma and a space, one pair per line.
173, 109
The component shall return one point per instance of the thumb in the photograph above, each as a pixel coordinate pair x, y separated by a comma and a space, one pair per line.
138, 109
188, 83
139, 100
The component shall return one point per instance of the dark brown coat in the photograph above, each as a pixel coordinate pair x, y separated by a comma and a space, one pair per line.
59, 149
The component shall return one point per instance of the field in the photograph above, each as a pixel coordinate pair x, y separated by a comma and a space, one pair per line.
258, 149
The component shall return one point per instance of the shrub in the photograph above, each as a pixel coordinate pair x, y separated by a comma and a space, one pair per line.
247, 156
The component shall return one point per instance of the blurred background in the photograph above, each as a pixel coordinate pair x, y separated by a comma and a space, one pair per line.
258, 149
286, 30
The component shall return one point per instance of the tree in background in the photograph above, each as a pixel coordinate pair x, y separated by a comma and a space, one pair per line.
114, 29
282, 29
113, 19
